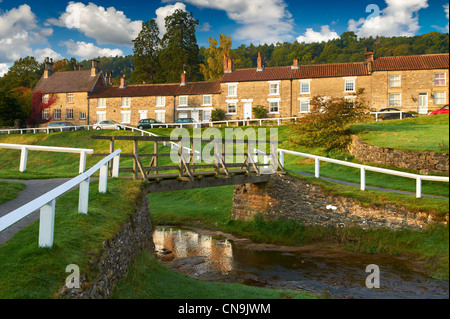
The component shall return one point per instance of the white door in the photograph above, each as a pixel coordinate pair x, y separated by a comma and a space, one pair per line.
423, 103
194, 115
247, 110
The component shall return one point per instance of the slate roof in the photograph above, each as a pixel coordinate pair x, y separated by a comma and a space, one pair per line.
67, 82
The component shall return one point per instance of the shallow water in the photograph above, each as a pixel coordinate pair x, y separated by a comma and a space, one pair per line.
321, 271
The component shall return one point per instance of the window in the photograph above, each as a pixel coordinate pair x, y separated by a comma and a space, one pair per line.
45, 98
126, 102
69, 114
395, 80
232, 89
305, 87
440, 79
183, 100
232, 108
349, 85
101, 103
142, 114
160, 117
439, 97
101, 116
206, 116
304, 106
395, 99
82, 115
161, 101
207, 100
56, 114
69, 97
45, 114
273, 107
126, 117
274, 88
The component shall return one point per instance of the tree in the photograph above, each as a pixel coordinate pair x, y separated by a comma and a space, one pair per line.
212, 69
145, 57
24, 72
179, 50
39, 104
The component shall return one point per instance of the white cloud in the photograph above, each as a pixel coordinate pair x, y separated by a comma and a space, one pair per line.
163, 12
446, 15
204, 27
324, 34
41, 54
262, 21
399, 18
3, 69
18, 31
106, 26
89, 50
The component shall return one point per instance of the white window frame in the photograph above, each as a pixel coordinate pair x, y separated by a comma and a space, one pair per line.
101, 103
309, 86
126, 102
206, 103
69, 98
439, 79
101, 116
278, 105
142, 114
349, 80
228, 108
444, 97
82, 115
45, 98
159, 112
55, 112
395, 82
69, 114
277, 87
160, 101
303, 100
399, 98
45, 114
128, 114
180, 100
232, 85
203, 115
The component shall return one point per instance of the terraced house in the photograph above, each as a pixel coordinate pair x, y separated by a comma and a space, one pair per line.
409, 83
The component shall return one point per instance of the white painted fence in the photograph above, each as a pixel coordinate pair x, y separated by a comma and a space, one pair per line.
388, 112
46, 202
363, 169
25, 148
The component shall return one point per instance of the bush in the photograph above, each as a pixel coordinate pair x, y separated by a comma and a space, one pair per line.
217, 115
259, 112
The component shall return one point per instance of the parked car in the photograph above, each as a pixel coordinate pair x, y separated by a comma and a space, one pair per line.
150, 123
186, 122
107, 125
394, 115
442, 110
62, 126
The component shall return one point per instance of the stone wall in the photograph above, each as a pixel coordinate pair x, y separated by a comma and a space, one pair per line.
287, 197
114, 260
424, 162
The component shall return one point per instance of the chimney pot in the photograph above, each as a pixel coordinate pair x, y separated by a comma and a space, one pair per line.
95, 67
183, 78
295, 64
48, 67
368, 59
123, 81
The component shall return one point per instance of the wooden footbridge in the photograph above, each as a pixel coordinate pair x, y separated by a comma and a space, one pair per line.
185, 168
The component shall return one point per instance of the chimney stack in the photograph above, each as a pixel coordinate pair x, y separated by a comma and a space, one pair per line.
228, 64
95, 67
48, 67
368, 59
260, 62
183, 78
123, 82
295, 64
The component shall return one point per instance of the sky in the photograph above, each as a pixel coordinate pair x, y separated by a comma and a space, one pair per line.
84, 30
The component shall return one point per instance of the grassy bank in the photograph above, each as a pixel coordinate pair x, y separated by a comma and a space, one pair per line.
10, 190
211, 209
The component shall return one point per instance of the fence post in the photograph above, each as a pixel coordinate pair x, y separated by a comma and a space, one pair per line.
116, 160
103, 179
363, 178
82, 162
47, 224
282, 159
418, 187
23, 159
83, 199
317, 168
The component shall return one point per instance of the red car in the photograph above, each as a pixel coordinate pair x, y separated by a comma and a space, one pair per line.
442, 110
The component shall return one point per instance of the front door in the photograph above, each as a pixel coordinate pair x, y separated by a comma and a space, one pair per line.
247, 110
423, 103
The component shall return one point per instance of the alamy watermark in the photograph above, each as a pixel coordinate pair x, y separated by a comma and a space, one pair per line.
373, 280
73, 280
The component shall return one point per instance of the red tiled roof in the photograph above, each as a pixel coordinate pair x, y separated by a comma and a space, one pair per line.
412, 62
191, 88
67, 82
267, 74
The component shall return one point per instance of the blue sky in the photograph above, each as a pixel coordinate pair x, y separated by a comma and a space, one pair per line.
82, 29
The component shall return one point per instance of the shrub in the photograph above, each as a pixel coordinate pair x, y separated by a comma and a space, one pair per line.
259, 112
217, 115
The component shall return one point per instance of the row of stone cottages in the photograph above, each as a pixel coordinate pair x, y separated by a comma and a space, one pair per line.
410, 83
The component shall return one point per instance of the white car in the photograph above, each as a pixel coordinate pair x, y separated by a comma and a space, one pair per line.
107, 125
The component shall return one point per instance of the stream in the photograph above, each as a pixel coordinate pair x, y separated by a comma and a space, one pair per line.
331, 272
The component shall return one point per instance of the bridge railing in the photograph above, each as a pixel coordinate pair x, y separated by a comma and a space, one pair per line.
25, 148
363, 169
46, 202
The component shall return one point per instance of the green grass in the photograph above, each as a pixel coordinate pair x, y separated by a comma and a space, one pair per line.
424, 134
148, 279
10, 190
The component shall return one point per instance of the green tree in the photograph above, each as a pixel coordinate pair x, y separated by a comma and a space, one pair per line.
212, 69
179, 50
24, 72
146, 50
